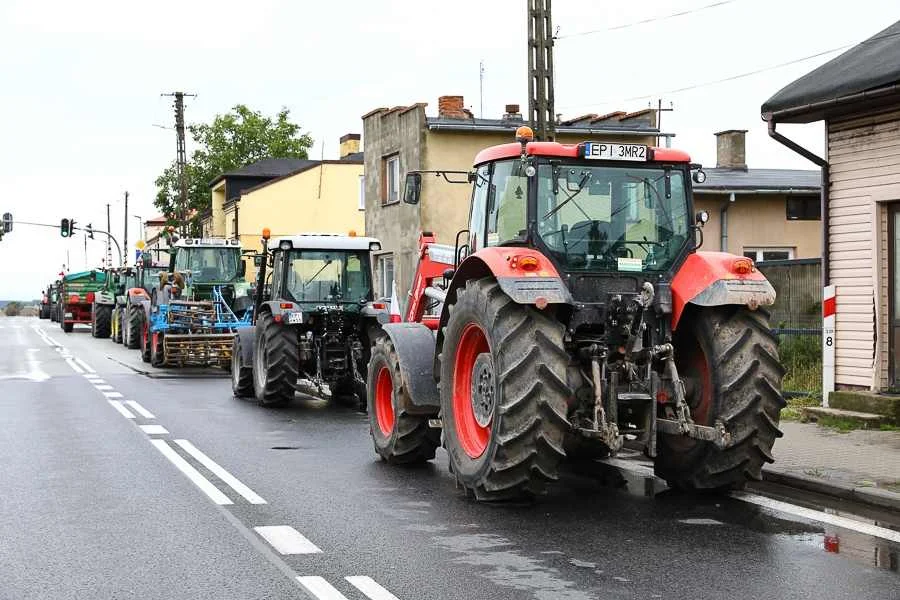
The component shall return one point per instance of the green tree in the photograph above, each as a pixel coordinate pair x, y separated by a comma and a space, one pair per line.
13, 309
230, 141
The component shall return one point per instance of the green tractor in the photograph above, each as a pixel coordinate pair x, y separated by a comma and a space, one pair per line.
146, 275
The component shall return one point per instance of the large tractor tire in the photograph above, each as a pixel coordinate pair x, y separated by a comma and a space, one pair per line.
44, 312
503, 394
157, 350
66, 327
241, 375
145, 339
101, 316
132, 327
53, 311
732, 357
276, 362
399, 437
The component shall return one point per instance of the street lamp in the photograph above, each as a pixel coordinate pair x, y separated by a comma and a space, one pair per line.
141, 222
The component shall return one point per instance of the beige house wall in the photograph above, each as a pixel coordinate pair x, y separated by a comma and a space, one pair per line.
757, 221
864, 166
217, 222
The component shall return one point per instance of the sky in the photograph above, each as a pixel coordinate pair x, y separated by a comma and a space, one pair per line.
84, 120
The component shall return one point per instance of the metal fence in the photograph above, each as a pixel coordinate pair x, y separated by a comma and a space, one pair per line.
797, 321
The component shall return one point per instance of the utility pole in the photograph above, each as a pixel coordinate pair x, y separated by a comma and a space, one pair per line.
659, 111
181, 157
481, 89
108, 247
125, 235
540, 70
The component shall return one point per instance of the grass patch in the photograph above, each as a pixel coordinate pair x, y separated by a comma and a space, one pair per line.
794, 408
838, 424
889, 427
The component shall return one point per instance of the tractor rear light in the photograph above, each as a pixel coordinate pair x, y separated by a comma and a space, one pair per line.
74, 299
742, 266
528, 263
286, 305
379, 305
276, 318
662, 396
540, 303
90, 297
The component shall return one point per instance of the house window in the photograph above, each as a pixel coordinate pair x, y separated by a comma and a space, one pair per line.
391, 179
386, 274
804, 208
362, 192
763, 254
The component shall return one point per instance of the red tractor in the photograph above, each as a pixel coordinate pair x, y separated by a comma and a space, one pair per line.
576, 317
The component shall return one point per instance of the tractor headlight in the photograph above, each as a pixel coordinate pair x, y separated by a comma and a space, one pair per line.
285, 245
374, 247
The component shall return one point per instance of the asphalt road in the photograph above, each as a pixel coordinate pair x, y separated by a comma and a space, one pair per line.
116, 484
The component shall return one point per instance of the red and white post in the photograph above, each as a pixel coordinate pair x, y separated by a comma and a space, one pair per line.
829, 307
395, 305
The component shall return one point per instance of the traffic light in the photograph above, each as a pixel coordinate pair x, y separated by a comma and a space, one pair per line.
66, 227
89, 231
7, 222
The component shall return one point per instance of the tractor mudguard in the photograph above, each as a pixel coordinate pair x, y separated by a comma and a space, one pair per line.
247, 336
710, 279
137, 293
414, 344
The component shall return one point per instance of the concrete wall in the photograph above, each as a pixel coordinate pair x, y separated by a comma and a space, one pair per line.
758, 221
218, 214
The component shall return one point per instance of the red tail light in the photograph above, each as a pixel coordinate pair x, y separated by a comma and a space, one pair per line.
277, 318
742, 266
378, 305
74, 299
286, 305
90, 297
395, 319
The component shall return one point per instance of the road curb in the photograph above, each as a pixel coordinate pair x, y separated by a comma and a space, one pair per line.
872, 496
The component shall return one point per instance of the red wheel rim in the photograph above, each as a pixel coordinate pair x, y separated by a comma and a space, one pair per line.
700, 369
144, 330
472, 437
384, 401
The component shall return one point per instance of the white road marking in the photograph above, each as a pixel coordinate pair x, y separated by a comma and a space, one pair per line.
221, 473
822, 517
85, 366
320, 588
154, 429
94, 378
140, 409
71, 362
286, 539
191, 473
112, 394
102, 386
370, 588
122, 410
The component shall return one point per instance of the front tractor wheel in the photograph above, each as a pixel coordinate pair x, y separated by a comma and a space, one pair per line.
145, 338
729, 358
503, 394
101, 320
399, 437
276, 362
157, 350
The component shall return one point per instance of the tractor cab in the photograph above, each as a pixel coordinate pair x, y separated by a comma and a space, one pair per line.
208, 264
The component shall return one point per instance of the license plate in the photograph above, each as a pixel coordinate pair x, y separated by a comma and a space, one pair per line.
604, 151
295, 317
68, 315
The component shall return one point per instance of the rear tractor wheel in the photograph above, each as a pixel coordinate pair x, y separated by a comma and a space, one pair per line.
241, 374
132, 327
276, 362
503, 395
157, 350
145, 338
101, 316
399, 437
730, 358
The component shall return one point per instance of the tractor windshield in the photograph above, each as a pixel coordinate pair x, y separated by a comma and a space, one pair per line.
598, 218
328, 276
209, 265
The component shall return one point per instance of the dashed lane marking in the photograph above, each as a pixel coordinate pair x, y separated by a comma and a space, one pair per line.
822, 517
191, 473
370, 588
122, 410
112, 394
136, 407
71, 362
220, 472
94, 379
85, 366
154, 429
320, 588
103, 387
287, 540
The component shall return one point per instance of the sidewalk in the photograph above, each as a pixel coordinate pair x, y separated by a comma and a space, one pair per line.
862, 464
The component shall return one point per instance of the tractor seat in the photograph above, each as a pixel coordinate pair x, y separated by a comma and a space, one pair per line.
585, 233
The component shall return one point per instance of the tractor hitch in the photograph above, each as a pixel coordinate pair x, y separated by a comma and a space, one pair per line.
716, 434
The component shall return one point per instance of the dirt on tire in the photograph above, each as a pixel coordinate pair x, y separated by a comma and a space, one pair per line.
743, 379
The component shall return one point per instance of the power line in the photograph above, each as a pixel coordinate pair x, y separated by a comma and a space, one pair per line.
681, 13
740, 75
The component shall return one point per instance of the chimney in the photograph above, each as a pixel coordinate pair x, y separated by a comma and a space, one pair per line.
512, 113
730, 152
349, 144
451, 107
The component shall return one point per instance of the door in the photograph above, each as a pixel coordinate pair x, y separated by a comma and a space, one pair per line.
894, 295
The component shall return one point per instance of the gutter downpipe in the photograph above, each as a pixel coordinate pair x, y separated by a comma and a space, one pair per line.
828, 362
723, 223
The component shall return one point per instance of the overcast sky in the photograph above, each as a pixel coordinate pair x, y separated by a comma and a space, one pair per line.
81, 83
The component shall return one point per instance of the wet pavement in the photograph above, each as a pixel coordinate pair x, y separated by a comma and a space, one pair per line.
99, 508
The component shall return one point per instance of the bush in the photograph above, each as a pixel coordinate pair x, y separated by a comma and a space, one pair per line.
13, 309
801, 356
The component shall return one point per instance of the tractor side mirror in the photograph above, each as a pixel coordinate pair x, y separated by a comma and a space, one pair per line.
702, 218
699, 176
243, 268
257, 260
413, 188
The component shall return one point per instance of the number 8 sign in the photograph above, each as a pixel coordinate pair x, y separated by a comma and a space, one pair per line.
829, 309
